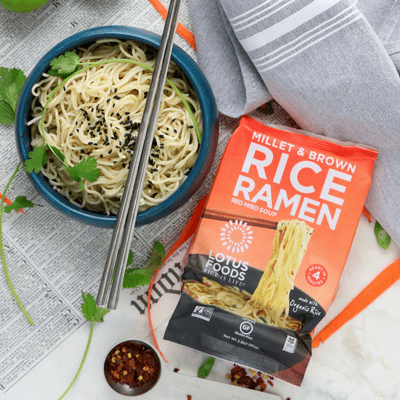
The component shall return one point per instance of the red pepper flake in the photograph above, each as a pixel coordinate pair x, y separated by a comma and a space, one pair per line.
189, 397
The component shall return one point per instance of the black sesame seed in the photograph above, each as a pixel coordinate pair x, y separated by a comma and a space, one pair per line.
109, 151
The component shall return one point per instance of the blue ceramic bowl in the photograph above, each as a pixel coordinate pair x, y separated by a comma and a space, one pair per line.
207, 148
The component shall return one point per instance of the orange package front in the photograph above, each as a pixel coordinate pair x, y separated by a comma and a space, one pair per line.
265, 262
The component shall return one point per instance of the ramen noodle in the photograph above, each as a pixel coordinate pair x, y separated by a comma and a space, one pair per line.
97, 114
238, 302
264, 264
288, 248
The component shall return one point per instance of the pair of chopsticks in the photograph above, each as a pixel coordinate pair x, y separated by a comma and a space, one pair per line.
111, 281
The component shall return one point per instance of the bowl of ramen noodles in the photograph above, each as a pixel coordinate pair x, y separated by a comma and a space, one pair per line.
79, 114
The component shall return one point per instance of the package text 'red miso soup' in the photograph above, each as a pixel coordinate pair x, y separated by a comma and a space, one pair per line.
265, 262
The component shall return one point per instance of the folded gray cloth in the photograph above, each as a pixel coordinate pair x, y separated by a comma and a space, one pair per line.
329, 67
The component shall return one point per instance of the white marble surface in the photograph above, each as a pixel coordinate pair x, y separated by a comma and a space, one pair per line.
359, 362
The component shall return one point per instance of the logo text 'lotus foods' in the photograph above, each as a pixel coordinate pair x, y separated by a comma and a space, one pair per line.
237, 237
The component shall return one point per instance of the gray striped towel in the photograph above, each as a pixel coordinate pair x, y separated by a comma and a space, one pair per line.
331, 64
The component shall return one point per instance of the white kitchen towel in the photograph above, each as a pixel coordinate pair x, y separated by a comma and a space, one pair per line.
329, 67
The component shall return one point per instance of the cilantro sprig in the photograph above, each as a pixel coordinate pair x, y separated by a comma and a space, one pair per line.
93, 314
19, 203
135, 277
11, 82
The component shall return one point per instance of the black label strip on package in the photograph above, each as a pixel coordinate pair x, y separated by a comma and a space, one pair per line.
238, 339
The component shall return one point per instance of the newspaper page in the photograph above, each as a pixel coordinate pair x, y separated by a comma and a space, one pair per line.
52, 258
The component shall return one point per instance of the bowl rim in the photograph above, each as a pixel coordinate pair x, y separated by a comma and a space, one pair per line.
208, 109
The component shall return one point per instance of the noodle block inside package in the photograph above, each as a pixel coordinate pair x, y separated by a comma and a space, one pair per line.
265, 262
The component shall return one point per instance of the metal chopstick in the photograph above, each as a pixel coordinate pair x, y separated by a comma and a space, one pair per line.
111, 281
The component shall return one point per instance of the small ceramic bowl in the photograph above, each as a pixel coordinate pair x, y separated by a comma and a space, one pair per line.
209, 134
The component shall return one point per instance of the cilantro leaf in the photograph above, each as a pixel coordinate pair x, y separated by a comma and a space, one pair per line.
157, 255
86, 169
90, 311
382, 236
99, 314
206, 368
37, 158
11, 83
135, 277
58, 153
64, 65
19, 203
7, 114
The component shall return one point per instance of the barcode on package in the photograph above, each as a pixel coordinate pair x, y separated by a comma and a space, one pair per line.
203, 312
290, 344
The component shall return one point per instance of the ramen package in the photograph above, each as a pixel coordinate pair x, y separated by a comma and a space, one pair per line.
265, 262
